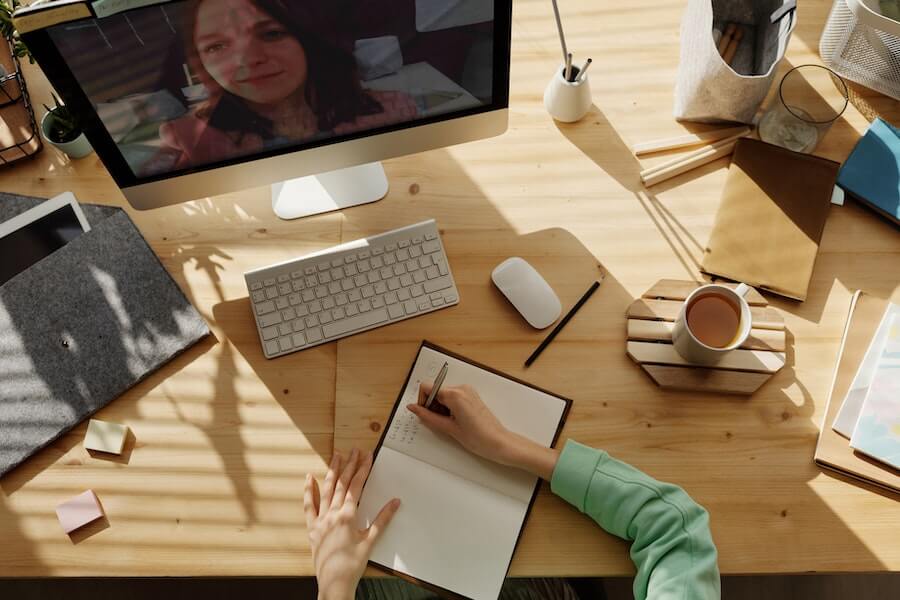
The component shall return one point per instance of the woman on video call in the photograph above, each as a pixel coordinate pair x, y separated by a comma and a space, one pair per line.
272, 79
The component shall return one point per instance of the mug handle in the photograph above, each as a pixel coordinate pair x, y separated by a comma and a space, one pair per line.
742, 290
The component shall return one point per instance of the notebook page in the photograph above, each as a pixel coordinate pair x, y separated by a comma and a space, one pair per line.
521, 409
848, 414
448, 531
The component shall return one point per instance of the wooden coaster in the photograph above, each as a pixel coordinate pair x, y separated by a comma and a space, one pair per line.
742, 371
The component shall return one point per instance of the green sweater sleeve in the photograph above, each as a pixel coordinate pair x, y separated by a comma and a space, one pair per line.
672, 547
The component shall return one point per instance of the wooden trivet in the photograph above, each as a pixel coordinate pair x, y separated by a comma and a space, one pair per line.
652, 318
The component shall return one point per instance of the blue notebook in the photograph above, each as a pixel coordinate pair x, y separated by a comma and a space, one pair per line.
872, 171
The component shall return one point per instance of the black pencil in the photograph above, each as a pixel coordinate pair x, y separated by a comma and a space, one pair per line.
562, 323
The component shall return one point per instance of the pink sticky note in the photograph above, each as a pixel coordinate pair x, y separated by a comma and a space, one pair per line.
79, 511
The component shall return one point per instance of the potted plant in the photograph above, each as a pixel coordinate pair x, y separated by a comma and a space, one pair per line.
60, 127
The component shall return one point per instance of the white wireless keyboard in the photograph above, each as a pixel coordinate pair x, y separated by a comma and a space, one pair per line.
350, 288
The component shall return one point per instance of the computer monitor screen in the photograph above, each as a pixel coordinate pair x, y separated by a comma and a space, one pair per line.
187, 86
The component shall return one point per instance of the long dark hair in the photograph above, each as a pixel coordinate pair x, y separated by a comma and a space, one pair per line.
333, 91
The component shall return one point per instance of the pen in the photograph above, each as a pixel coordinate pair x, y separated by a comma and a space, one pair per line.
559, 27
562, 323
584, 69
568, 72
438, 381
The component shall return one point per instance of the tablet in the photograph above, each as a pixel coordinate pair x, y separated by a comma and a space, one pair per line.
27, 238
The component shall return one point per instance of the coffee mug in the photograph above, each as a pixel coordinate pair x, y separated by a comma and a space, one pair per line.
714, 320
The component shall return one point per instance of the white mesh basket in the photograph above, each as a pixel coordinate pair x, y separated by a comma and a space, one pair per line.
861, 44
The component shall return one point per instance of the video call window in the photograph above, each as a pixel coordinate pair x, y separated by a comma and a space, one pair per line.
190, 84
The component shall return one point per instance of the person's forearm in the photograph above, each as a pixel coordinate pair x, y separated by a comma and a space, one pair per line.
522, 453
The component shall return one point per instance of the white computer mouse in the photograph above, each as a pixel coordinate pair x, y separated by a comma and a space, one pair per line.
524, 287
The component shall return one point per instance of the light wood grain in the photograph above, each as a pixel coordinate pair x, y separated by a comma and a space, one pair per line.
736, 360
673, 289
213, 483
661, 331
663, 310
706, 380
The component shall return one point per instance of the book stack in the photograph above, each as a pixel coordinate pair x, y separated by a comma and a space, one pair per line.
860, 435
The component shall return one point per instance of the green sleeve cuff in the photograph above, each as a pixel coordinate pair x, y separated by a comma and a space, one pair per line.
574, 471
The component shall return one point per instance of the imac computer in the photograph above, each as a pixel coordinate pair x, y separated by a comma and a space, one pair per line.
185, 99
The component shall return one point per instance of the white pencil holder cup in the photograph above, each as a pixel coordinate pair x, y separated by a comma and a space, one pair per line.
568, 101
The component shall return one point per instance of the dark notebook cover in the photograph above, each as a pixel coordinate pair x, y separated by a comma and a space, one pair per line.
82, 326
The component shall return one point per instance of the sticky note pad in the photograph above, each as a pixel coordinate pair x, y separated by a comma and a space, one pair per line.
79, 511
103, 436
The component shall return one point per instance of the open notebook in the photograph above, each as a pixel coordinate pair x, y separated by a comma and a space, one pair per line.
461, 516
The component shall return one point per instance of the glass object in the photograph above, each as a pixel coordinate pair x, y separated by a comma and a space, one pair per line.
810, 98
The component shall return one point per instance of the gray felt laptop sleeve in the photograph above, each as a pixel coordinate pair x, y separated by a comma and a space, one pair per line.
82, 326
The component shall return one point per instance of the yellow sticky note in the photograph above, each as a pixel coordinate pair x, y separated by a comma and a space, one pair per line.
103, 436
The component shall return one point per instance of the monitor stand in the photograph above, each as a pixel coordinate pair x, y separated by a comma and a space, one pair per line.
325, 192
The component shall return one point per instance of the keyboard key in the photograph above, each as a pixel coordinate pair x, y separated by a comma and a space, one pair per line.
310, 270
259, 296
419, 276
415, 251
438, 259
424, 261
323, 266
403, 255
424, 303
284, 278
337, 262
393, 283
288, 314
377, 251
337, 274
364, 305
389, 259
354, 296
377, 302
301, 310
430, 236
297, 285
356, 322
406, 280
299, 339
363, 266
328, 303
380, 287
270, 319
265, 307
271, 292
390, 298
373, 276
450, 298
363, 255
412, 265
337, 314
349, 259
311, 282
351, 310
341, 299
417, 240
314, 335
410, 307
399, 269
442, 269
270, 333
391, 248
334, 287
269, 282
437, 301
324, 278
432, 272
368, 291
322, 291
285, 343
314, 306
311, 321
386, 273
284, 329
437, 284
395, 311
403, 294
325, 317
299, 325
308, 295
430, 246
377, 262
272, 347
256, 285
281, 303
296, 274
404, 244
294, 299
416, 291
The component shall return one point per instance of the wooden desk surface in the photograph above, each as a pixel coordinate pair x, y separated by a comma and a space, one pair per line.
223, 437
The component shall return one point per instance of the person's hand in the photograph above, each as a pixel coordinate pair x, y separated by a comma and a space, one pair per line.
474, 426
340, 549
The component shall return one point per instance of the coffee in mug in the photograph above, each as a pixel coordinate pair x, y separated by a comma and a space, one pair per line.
714, 320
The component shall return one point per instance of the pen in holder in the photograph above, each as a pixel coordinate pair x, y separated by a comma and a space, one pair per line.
568, 100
